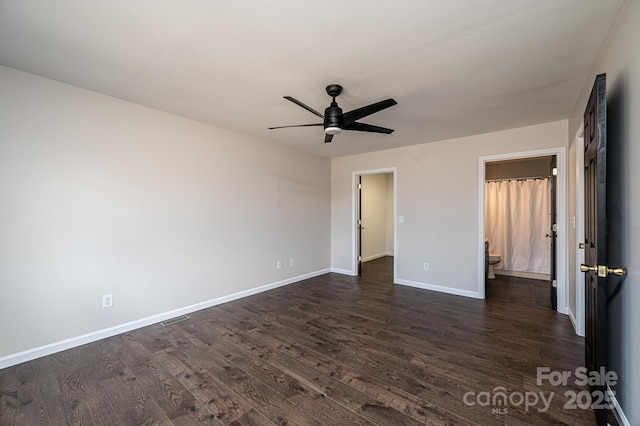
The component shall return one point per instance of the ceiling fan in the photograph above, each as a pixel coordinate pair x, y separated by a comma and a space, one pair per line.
335, 121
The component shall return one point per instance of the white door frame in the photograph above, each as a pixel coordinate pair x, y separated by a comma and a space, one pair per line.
563, 229
354, 216
579, 226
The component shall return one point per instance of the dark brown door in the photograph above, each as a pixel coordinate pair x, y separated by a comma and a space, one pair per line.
595, 185
553, 271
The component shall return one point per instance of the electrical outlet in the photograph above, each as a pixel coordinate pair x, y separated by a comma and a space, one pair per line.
107, 300
279, 264
291, 262
426, 266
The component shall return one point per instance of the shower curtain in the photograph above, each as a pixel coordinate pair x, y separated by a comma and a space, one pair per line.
517, 220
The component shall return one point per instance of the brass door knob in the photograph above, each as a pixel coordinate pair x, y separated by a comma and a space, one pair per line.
587, 268
617, 271
603, 271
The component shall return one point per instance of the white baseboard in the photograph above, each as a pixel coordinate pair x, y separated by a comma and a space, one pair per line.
374, 257
574, 321
617, 409
31, 354
441, 289
424, 286
343, 272
572, 317
519, 274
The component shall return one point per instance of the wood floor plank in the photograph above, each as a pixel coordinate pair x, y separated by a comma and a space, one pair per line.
9, 405
134, 405
273, 406
256, 394
253, 418
39, 395
380, 361
369, 408
84, 399
397, 392
372, 409
177, 403
225, 404
313, 402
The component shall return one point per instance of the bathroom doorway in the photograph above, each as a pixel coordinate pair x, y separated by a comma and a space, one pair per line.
374, 219
520, 223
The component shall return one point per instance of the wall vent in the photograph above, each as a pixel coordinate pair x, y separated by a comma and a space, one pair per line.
175, 320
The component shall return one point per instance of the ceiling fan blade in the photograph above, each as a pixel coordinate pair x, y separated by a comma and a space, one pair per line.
362, 127
308, 108
357, 114
296, 125
327, 138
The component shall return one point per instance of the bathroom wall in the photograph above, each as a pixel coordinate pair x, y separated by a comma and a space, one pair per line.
529, 167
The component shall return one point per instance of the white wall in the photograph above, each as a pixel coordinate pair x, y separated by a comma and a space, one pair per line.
375, 220
437, 193
620, 60
104, 196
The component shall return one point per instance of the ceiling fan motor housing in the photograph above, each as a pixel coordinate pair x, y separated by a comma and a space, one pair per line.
333, 118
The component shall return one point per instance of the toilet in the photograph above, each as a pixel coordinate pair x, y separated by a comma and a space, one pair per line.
494, 259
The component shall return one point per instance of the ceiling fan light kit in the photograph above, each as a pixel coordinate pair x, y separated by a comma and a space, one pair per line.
335, 121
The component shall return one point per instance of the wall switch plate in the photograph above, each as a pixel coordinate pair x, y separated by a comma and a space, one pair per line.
107, 300
291, 262
400, 219
426, 266
279, 264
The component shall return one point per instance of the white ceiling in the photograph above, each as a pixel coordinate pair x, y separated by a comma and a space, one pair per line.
456, 68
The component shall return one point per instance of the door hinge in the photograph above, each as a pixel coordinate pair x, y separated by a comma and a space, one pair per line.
359, 258
555, 227
359, 186
554, 283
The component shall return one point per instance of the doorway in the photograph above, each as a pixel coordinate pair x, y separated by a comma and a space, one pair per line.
374, 224
519, 216
560, 229
519, 232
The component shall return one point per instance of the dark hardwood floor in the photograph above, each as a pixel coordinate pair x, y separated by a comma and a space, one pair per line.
522, 291
331, 350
